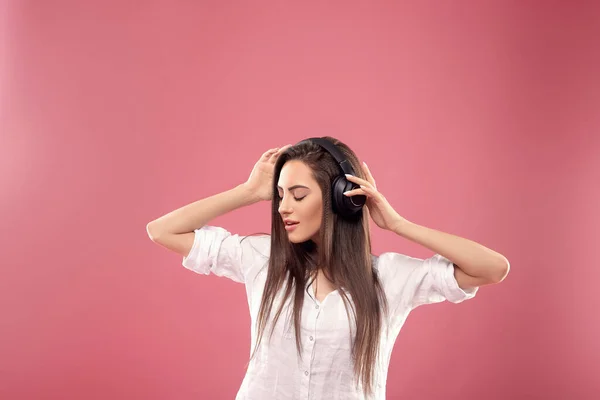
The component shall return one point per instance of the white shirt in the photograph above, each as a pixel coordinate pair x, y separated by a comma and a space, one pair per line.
326, 370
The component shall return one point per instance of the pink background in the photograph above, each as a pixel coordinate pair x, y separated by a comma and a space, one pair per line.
477, 118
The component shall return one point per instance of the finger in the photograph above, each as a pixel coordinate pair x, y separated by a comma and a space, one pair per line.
284, 148
355, 192
358, 180
276, 155
364, 190
267, 154
370, 192
368, 173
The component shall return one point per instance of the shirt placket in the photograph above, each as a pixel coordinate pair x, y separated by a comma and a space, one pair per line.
314, 312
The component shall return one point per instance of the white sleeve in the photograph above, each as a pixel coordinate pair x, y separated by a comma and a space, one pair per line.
410, 282
217, 251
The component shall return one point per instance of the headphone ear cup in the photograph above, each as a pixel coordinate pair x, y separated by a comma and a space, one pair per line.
344, 205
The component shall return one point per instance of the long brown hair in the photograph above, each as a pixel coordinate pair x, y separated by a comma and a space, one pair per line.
344, 257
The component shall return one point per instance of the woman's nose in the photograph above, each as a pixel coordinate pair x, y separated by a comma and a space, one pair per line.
284, 207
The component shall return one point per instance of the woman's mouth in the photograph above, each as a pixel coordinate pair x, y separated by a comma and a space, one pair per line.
290, 227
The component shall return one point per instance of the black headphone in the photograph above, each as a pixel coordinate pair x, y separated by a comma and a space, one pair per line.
346, 206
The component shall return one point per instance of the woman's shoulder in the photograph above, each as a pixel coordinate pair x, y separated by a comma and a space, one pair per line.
258, 242
245, 245
391, 257
392, 260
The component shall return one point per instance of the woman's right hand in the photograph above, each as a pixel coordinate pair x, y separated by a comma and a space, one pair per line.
261, 178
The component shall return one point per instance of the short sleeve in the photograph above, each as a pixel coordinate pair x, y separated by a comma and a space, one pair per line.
219, 252
410, 282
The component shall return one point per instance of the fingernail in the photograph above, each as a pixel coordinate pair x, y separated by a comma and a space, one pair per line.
347, 175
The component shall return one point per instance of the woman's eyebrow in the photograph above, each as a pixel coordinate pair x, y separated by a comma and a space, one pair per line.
294, 187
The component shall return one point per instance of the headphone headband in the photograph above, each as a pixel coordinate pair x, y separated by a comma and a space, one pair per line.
335, 152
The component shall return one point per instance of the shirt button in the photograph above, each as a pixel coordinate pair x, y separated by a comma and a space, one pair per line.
306, 373
317, 306
311, 338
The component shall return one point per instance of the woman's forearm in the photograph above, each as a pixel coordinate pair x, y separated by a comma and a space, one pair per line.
199, 213
471, 257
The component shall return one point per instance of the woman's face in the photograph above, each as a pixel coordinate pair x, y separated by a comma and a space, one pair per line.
301, 201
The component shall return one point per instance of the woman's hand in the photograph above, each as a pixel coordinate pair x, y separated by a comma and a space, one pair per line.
260, 181
382, 213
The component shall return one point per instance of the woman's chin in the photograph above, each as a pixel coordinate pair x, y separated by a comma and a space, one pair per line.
295, 238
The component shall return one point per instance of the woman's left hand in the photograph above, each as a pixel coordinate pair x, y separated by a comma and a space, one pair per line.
382, 213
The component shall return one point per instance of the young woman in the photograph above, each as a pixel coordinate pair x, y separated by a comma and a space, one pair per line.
325, 311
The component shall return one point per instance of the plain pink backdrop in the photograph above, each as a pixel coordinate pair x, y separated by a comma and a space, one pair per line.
477, 118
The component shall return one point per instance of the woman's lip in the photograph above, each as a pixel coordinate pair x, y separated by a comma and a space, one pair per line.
290, 228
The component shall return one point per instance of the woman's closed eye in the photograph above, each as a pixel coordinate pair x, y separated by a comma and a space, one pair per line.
295, 198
